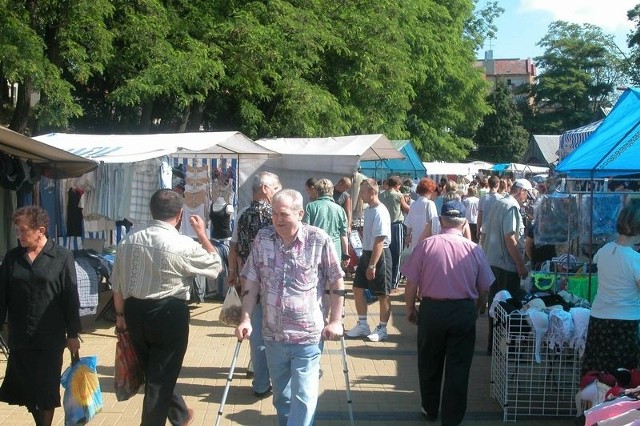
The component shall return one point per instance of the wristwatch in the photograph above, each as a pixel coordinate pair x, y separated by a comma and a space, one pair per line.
371, 266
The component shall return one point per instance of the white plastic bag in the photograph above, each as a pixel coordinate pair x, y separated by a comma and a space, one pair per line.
231, 312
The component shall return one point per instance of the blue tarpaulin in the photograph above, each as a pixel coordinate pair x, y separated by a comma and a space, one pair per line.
411, 165
613, 149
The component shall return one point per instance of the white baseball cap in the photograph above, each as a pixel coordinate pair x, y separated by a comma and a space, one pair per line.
525, 184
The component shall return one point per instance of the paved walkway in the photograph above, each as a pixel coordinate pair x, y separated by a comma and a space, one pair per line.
382, 376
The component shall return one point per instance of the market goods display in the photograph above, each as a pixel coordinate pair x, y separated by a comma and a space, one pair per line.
606, 207
556, 215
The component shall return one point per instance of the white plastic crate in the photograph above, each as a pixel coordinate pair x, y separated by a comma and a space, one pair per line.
524, 387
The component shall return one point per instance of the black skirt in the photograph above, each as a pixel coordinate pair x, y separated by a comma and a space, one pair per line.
611, 344
32, 379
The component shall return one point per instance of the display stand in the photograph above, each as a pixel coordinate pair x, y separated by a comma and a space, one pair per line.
524, 387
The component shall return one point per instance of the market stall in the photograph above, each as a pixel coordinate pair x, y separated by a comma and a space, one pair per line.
212, 169
579, 220
331, 157
437, 169
411, 166
23, 162
518, 170
572, 139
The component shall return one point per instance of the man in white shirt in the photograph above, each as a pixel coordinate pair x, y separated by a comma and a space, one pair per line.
151, 279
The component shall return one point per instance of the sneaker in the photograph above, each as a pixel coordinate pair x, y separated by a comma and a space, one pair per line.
379, 334
359, 330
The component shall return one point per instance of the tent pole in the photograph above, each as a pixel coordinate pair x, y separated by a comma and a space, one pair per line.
591, 185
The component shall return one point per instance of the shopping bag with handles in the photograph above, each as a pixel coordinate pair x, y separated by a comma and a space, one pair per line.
129, 375
82, 395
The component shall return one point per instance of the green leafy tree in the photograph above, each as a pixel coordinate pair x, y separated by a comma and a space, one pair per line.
165, 66
450, 92
363, 67
276, 68
481, 25
46, 47
633, 63
580, 70
501, 138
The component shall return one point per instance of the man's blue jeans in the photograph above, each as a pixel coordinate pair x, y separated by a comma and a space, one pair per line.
261, 380
294, 372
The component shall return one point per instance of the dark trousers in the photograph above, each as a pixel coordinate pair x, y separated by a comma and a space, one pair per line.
446, 341
396, 246
473, 227
505, 280
159, 331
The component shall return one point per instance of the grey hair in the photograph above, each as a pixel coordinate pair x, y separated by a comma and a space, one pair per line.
264, 178
290, 194
451, 196
452, 222
324, 187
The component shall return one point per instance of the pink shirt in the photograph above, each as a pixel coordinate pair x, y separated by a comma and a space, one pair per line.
448, 266
292, 282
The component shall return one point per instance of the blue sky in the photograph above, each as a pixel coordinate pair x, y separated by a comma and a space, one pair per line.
525, 22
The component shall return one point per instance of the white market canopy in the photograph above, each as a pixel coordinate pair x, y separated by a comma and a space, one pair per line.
437, 168
339, 154
131, 148
519, 168
54, 162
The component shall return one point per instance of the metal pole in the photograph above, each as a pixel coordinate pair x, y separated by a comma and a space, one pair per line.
345, 370
229, 380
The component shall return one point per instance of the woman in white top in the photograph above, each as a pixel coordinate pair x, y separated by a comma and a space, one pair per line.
421, 212
612, 339
471, 203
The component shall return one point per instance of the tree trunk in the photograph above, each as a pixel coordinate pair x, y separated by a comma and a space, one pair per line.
22, 112
146, 116
185, 120
195, 118
4, 89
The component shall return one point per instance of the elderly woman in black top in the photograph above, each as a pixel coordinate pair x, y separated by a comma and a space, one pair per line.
38, 291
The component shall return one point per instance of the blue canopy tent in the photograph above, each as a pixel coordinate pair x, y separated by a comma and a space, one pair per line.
613, 148
411, 165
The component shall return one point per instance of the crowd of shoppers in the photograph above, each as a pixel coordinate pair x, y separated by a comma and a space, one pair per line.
461, 246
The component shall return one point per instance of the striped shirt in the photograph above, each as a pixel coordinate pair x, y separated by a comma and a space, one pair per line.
157, 262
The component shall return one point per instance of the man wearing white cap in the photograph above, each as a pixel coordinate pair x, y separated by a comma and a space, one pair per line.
504, 243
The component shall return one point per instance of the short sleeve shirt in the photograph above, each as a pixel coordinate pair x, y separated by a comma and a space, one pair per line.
504, 219
377, 222
452, 259
292, 281
391, 199
618, 295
